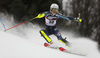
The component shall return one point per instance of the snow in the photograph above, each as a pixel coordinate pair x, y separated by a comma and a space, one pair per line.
25, 42
12, 46
64, 4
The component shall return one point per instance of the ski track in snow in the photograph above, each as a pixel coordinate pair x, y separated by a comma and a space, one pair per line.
25, 42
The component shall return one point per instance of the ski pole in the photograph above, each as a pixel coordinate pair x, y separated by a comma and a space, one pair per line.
79, 15
39, 16
19, 24
80, 20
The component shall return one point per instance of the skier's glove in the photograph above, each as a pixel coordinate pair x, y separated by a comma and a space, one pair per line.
78, 19
40, 15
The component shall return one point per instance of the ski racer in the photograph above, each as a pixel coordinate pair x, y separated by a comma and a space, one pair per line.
50, 20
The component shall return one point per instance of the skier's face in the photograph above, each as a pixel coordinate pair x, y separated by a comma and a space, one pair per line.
54, 10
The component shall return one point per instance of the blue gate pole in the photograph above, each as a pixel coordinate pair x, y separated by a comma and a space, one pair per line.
3, 24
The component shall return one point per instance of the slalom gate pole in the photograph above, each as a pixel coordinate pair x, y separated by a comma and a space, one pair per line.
19, 24
16, 25
3, 24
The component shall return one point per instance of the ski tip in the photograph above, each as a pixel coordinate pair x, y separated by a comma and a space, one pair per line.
62, 49
46, 45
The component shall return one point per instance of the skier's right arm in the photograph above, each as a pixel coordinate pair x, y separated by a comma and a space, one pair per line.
41, 15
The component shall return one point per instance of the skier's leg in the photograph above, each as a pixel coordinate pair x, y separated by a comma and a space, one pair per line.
58, 35
45, 34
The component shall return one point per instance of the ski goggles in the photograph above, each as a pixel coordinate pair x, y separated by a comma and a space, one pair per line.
54, 10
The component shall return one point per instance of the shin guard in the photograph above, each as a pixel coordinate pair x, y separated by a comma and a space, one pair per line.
45, 36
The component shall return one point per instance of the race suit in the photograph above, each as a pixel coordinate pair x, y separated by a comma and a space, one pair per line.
51, 28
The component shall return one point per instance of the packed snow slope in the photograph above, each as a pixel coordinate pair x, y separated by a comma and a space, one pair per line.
12, 46
25, 42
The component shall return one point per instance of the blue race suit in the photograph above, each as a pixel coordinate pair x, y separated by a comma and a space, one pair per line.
51, 28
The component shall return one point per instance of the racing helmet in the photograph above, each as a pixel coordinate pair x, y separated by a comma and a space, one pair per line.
54, 8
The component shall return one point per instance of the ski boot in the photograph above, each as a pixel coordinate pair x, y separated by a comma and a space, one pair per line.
64, 41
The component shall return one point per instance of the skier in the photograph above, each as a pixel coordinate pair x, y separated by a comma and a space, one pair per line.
50, 20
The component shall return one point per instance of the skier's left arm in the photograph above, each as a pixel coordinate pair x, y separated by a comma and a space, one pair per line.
69, 18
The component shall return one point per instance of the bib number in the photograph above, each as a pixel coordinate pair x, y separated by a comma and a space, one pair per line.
51, 22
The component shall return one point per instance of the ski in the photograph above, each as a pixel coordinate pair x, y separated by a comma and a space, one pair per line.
46, 44
64, 50
51, 45
61, 49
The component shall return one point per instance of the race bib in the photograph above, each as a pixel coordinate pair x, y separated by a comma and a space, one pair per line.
50, 22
